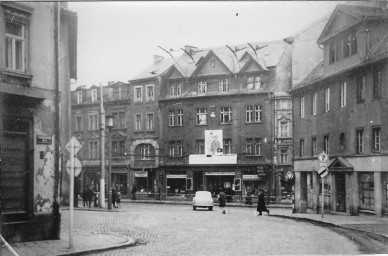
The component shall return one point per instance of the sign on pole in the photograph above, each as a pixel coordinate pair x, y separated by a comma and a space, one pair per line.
73, 142
323, 157
77, 167
323, 172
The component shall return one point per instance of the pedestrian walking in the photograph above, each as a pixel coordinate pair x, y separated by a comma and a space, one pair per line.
118, 199
114, 197
133, 192
222, 200
261, 203
89, 196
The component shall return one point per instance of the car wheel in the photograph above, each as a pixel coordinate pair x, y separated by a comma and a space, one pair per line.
194, 208
211, 208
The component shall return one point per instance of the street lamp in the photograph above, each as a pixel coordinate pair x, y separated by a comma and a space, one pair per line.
109, 124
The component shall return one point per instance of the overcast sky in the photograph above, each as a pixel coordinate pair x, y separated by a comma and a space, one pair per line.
117, 40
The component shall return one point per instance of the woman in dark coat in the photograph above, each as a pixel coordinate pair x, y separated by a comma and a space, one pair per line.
114, 198
222, 200
261, 203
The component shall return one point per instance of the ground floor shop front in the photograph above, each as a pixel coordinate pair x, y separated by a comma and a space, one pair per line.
353, 186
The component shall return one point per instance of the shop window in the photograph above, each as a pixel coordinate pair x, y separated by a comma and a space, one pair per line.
366, 190
237, 184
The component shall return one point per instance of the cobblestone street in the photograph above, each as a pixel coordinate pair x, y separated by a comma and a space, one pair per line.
178, 230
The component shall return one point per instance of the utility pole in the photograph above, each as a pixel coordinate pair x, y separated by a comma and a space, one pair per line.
102, 147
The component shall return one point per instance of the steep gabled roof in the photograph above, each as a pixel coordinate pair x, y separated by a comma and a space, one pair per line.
268, 56
355, 13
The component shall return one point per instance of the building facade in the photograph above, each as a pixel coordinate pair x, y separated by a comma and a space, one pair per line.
225, 97
86, 124
34, 114
340, 109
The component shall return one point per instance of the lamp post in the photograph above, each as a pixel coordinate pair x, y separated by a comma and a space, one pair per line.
109, 124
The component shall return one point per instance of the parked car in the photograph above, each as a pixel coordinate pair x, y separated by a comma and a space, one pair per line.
203, 199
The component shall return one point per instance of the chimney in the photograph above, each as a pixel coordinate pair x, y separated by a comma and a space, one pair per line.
189, 48
158, 58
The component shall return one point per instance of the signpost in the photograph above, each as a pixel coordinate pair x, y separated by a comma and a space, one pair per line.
323, 157
73, 146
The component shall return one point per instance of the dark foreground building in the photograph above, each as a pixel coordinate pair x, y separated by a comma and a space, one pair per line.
34, 114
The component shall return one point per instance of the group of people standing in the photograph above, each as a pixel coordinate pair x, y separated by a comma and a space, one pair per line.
90, 195
261, 207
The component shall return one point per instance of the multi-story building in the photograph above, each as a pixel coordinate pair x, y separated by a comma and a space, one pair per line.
38, 59
340, 109
85, 106
224, 97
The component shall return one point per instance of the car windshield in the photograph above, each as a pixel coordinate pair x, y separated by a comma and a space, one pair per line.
202, 194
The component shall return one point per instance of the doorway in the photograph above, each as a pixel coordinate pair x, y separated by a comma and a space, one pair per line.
340, 192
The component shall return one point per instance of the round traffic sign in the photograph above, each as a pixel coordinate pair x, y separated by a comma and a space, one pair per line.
289, 175
77, 166
323, 157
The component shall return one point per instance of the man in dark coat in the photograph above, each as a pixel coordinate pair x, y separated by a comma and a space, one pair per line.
261, 203
222, 200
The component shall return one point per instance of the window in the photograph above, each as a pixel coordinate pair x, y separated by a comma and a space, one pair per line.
284, 129
254, 83
94, 95
171, 118
119, 93
138, 94
282, 104
225, 115
179, 117
201, 116
249, 146
79, 97
227, 146
172, 148
15, 44
346, 47
360, 141
258, 114
302, 107
314, 146
353, 39
257, 147
138, 122
118, 148
172, 90
178, 89
202, 87
179, 146
376, 139
146, 151
332, 52
200, 146
377, 81
249, 114
327, 100
283, 156
150, 93
367, 191
93, 149
93, 122
224, 85
118, 120
343, 94
326, 144
315, 96
78, 123
150, 122
361, 81
301, 147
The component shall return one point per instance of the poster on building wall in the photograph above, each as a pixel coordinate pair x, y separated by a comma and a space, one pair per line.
213, 142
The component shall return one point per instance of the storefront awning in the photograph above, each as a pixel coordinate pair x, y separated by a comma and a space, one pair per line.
219, 173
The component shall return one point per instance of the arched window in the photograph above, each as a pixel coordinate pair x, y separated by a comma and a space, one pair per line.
145, 151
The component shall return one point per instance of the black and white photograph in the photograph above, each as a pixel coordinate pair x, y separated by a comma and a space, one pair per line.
196, 128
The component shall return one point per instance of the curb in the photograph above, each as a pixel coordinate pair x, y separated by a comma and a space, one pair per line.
130, 242
324, 223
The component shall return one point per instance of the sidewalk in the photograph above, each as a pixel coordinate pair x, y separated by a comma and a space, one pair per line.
93, 242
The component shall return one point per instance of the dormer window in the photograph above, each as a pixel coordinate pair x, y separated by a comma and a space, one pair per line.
213, 64
254, 83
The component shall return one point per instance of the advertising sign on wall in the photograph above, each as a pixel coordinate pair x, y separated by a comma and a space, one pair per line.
213, 142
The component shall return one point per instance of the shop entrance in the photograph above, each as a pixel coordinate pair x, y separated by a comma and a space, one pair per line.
340, 192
